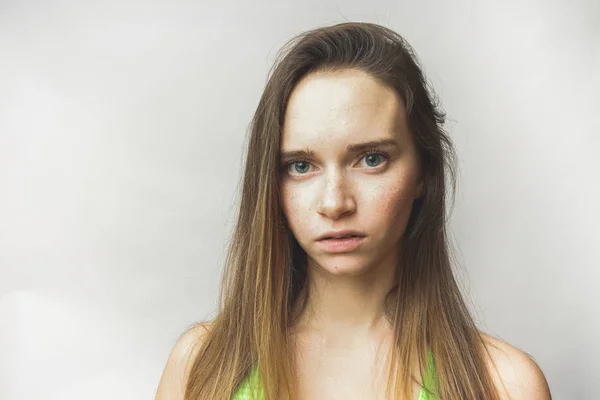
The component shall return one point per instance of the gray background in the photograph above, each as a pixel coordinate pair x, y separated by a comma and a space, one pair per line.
121, 130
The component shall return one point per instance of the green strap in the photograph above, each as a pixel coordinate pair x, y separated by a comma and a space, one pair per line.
429, 380
251, 389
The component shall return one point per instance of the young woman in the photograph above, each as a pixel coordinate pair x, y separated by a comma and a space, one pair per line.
338, 282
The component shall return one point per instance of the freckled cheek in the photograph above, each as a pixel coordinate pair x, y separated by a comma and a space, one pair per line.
294, 207
389, 202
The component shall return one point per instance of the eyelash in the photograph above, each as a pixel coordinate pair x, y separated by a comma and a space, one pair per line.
368, 152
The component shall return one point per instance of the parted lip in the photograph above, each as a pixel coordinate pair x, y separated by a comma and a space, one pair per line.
343, 232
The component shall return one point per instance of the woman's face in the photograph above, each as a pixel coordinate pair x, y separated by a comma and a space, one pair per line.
335, 188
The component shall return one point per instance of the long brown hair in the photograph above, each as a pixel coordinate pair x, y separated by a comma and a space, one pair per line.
264, 280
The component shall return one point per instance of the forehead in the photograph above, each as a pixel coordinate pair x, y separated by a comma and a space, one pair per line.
349, 105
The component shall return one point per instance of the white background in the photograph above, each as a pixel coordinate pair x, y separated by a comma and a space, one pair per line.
121, 132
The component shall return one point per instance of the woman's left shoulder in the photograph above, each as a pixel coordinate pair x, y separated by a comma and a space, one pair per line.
515, 372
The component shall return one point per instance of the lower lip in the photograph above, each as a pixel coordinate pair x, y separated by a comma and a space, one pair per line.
341, 245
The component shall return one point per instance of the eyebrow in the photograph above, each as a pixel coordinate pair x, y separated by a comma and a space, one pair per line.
351, 148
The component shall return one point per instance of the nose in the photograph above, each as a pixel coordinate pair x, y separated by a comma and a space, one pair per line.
336, 198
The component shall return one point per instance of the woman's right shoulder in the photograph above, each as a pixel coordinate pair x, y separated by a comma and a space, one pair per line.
190, 340
195, 333
176, 372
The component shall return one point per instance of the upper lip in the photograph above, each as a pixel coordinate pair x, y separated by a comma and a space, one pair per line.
343, 232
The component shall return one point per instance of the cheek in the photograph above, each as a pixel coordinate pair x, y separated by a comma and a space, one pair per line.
284, 199
292, 206
392, 202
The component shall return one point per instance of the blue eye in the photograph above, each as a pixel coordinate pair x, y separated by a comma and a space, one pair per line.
370, 155
295, 163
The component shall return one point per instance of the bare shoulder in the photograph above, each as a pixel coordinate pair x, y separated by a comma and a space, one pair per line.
175, 374
516, 374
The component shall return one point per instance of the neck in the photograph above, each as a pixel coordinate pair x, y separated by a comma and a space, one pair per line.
348, 305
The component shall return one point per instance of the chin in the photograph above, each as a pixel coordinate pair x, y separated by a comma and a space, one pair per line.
342, 265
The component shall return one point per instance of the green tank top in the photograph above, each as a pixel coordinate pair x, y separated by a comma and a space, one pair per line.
250, 388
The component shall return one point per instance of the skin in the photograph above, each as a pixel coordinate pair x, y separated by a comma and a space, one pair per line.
343, 333
343, 329
337, 190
